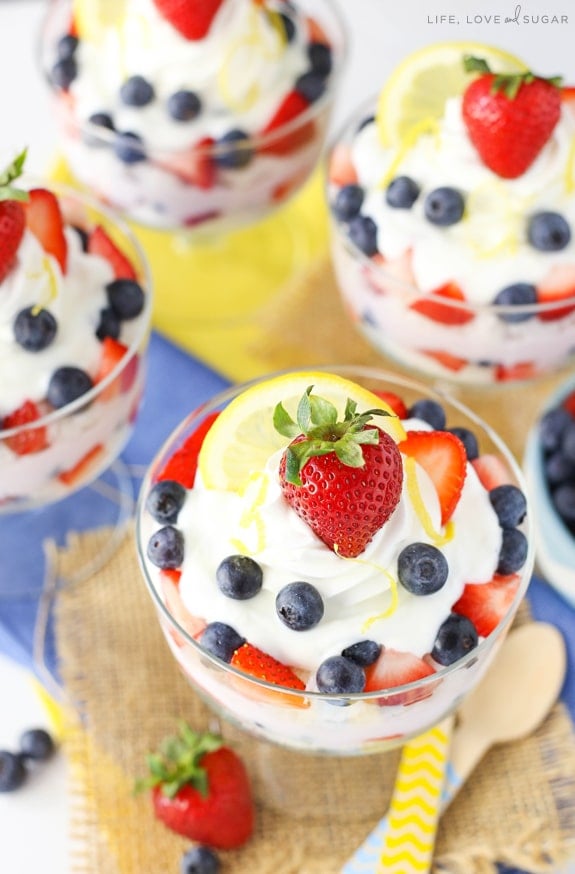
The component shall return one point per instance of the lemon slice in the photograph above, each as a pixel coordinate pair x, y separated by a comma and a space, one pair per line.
243, 436
419, 86
94, 17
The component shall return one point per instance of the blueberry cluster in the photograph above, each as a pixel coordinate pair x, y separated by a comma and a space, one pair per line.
35, 329
557, 440
233, 150
35, 745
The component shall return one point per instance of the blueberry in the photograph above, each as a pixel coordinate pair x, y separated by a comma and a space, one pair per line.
363, 653
513, 551
288, 26
548, 231
200, 860
310, 85
136, 91
363, 233
221, 640
568, 441
509, 504
109, 324
12, 771
239, 577
430, 411
558, 469
552, 426
469, 441
126, 298
165, 500
365, 122
444, 206
456, 637
348, 201
233, 150
104, 121
66, 385
83, 235
129, 148
319, 55
35, 328
519, 294
37, 744
564, 503
166, 547
338, 675
66, 47
402, 192
184, 105
422, 568
64, 72
299, 606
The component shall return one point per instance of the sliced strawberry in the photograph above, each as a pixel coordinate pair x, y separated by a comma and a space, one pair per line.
293, 105
73, 475
259, 664
44, 218
395, 668
569, 403
433, 307
486, 604
112, 353
394, 401
557, 285
512, 372
191, 20
491, 470
442, 456
341, 170
169, 581
28, 440
100, 243
568, 97
316, 33
446, 359
183, 464
195, 165
383, 281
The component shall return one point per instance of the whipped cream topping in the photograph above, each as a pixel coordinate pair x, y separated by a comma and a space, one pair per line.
241, 70
487, 250
357, 592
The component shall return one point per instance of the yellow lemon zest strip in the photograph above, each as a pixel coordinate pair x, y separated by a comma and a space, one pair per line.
438, 539
425, 126
392, 585
251, 40
280, 41
251, 515
570, 169
48, 270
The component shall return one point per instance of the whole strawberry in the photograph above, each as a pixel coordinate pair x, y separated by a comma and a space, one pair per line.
201, 790
191, 18
509, 117
12, 217
342, 478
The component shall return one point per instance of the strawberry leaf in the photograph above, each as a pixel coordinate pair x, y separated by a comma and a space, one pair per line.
283, 422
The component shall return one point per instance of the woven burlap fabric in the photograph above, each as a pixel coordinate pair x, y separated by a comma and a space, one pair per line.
119, 675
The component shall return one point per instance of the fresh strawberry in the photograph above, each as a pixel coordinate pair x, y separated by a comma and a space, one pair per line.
263, 666
44, 218
191, 19
394, 401
195, 165
491, 470
100, 243
510, 117
569, 403
73, 475
12, 216
568, 97
29, 440
183, 464
395, 668
200, 790
558, 284
297, 135
486, 604
433, 307
513, 372
442, 456
342, 478
112, 353
446, 359
341, 170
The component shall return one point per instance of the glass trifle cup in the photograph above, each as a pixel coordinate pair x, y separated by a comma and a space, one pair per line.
75, 314
319, 648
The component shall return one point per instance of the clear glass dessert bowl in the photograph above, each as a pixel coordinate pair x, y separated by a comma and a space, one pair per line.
472, 303
75, 338
408, 683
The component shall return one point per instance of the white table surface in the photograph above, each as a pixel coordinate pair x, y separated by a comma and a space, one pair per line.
33, 823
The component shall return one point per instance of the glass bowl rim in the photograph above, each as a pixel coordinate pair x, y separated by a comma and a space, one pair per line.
349, 371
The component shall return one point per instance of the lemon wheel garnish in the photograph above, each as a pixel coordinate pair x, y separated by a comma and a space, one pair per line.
243, 436
94, 17
425, 79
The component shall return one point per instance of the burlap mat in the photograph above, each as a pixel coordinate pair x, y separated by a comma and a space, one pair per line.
519, 806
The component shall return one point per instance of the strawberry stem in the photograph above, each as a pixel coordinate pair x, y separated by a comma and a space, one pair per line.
9, 174
178, 763
507, 83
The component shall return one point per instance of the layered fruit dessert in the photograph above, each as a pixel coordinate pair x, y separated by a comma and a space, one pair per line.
452, 196
180, 114
326, 551
74, 318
